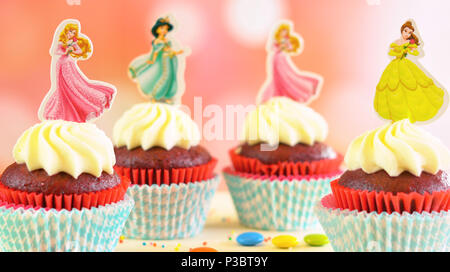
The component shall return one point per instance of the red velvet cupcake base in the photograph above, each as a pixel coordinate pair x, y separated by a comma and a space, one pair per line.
348, 198
64, 201
141, 176
254, 166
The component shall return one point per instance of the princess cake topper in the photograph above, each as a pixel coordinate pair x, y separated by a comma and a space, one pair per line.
284, 79
406, 90
72, 96
160, 73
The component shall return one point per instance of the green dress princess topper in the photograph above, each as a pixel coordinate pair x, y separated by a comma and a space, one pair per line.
160, 73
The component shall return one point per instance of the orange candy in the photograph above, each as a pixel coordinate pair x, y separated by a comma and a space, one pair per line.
203, 249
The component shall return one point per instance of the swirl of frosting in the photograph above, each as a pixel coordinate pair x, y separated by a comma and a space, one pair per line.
395, 148
64, 146
282, 120
148, 125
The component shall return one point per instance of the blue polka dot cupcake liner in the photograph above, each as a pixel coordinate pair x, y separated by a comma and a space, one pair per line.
166, 212
382, 232
86, 230
277, 203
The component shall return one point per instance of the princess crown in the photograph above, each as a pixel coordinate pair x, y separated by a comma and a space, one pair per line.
164, 20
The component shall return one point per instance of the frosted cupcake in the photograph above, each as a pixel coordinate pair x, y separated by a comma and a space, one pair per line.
280, 171
283, 137
61, 193
282, 166
157, 148
395, 195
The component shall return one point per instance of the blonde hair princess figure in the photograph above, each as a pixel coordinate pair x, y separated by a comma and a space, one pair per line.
72, 96
284, 79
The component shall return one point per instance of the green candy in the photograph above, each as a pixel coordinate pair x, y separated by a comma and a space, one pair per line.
316, 239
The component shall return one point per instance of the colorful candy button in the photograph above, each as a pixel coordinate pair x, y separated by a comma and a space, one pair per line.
285, 241
203, 249
249, 238
316, 239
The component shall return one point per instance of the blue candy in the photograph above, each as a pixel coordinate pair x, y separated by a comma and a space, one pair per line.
250, 238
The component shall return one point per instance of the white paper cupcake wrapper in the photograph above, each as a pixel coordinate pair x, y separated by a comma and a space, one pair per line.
362, 231
95, 229
269, 204
169, 211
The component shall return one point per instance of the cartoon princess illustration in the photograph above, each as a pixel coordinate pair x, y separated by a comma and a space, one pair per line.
159, 74
72, 96
405, 90
284, 79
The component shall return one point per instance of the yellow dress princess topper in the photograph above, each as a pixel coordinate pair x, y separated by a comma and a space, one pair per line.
405, 90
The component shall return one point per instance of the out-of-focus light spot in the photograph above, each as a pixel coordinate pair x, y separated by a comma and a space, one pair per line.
73, 2
250, 21
190, 22
373, 2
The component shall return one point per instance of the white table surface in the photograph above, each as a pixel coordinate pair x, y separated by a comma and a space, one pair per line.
222, 223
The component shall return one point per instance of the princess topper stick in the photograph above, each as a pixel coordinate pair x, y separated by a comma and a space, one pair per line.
406, 90
284, 79
160, 73
72, 96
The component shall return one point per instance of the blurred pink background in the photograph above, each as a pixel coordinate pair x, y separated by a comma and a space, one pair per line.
346, 41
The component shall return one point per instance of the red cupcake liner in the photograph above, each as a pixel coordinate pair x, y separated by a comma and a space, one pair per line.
7, 205
230, 171
352, 199
255, 166
141, 176
64, 201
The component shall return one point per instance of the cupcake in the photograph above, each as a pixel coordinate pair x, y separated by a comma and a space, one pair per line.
61, 193
280, 171
157, 148
395, 195
172, 180
282, 166
283, 138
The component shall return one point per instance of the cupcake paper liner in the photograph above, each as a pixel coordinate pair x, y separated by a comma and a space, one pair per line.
254, 166
277, 203
169, 211
24, 228
141, 176
64, 201
348, 198
363, 231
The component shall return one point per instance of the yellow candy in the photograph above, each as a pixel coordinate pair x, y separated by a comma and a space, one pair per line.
285, 241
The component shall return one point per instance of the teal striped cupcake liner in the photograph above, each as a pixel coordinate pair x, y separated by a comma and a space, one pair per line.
366, 232
270, 203
167, 212
95, 229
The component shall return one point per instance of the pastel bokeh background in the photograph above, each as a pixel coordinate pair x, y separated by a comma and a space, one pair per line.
346, 41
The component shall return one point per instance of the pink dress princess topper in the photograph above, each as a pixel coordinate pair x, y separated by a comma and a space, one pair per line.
284, 79
72, 96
